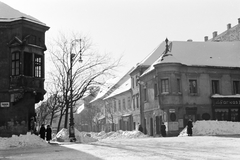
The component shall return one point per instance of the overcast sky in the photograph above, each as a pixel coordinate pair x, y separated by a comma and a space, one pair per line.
132, 28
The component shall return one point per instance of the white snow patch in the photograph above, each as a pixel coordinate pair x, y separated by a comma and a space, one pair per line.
213, 128
28, 140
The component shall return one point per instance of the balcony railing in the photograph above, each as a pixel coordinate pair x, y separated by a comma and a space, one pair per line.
26, 82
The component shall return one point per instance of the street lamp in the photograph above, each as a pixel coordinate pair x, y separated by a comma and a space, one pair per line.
71, 120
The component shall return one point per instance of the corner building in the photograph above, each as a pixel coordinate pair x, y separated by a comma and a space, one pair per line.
197, 80
22, 46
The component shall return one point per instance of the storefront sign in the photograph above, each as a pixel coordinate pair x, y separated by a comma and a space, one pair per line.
226, 102
5, 104
171, 110
173, 126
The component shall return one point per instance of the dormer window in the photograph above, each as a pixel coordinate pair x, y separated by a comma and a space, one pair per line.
15, 63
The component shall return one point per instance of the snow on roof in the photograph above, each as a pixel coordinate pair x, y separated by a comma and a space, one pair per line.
225, 96
9, 14
153, 56
217, 54
105, 88
122, 88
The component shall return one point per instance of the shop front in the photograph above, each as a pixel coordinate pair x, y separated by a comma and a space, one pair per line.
226, 108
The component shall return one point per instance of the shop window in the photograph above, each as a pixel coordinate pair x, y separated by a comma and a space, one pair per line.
206, 116
215, 87
173, 117
15, 63
164, 85
193, 86
236, 86
38, 66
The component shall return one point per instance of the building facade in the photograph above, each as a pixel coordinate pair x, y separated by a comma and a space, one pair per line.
22, 46
202, 88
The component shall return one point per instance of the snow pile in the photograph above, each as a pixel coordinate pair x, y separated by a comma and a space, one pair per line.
119, 135
213, 128
63, 136
29, 140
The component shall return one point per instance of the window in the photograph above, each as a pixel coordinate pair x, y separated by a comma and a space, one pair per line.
136, 82
145, 93
155, 90
129, 103
28, 64
178, 85
132, 82
236, 89
193, 86
119, 105
115, 105
137, 101
15, 63
38, 66
133, 102
215, 86
164, 85
124, 105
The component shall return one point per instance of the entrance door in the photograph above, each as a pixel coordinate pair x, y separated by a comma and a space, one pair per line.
151, 126
158, 124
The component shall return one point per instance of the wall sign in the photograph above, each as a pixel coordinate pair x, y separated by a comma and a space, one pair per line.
228, 102
5, 104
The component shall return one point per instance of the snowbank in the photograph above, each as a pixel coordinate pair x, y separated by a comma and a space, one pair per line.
29, 140
119, 134
63, 136
212, 128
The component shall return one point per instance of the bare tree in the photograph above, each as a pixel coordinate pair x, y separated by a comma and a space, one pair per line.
93, 69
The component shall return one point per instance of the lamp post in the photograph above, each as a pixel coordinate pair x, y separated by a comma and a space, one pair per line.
71, 120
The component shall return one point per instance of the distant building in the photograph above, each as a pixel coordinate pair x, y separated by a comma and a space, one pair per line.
231, 34
22, 46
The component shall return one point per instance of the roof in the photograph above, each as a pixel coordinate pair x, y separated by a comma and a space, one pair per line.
153, 56
9, 14
216, 54
122, 88
105, 88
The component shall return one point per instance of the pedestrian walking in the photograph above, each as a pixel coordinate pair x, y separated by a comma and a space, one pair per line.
163, 130
42, 132
49, 133
189, 127
140, 128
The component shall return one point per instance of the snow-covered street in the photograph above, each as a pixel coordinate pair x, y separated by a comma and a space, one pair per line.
212, 140
185, 148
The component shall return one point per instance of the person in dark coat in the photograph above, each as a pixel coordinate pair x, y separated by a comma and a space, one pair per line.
42, 132
163, 130
49, 133
140, 128
189, 127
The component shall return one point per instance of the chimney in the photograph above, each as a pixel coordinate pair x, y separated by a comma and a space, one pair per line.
214, 34
206, 38
238, 20
228, 25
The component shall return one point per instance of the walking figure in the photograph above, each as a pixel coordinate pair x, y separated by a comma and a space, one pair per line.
42, 132
49, 133
189, 127
163, 130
